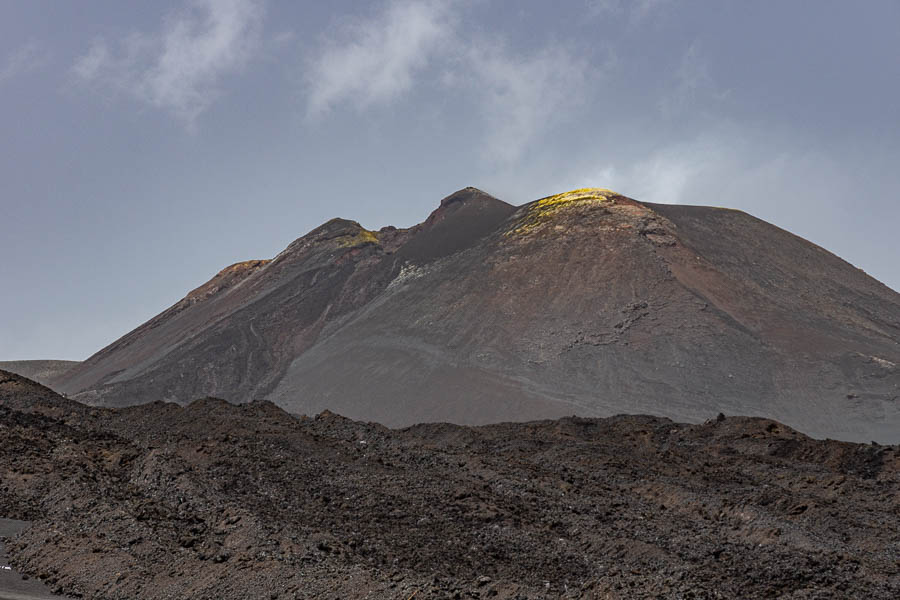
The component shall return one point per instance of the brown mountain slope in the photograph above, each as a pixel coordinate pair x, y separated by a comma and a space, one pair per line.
583, 303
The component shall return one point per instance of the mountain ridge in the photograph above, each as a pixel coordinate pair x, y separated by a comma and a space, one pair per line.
585, 302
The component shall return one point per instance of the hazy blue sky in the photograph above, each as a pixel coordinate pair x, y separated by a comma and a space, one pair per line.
146, 145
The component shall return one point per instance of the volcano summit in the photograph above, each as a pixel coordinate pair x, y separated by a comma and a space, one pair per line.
585, 303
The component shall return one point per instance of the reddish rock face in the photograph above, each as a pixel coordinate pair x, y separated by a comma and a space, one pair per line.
584, 303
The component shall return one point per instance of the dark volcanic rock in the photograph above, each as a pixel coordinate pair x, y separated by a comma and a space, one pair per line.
219, 501
584, 303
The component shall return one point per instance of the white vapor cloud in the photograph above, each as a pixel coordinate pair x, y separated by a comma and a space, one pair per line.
374, 61
27, 58
671, 173
729, 165
178, 69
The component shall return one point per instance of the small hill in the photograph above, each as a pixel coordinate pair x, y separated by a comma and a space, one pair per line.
42, 371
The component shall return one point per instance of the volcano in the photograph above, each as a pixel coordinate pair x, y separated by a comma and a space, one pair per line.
584, 303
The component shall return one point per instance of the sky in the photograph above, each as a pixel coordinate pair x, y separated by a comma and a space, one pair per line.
145, 146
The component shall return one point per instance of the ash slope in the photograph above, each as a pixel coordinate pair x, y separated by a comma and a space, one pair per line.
585, 303
217, 501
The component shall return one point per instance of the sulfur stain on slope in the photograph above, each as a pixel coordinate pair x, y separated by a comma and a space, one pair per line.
224, 279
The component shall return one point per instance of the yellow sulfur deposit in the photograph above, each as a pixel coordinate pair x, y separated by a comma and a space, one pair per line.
362, 237
545, 208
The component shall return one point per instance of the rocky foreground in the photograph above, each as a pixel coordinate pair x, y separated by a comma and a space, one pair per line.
220, 501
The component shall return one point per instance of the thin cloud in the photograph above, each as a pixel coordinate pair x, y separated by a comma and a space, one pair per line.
180, 68
522, 97
378, 61
678, 172
636, 11
374, 61
23, 60
693, 84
